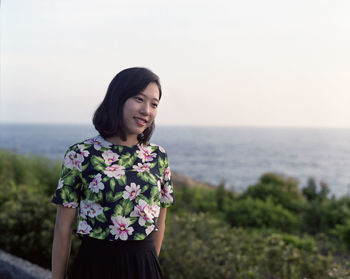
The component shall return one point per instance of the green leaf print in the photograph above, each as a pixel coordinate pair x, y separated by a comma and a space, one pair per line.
148, 224
112, 198
120, 149
133, 220
69, 179
144, 188
139, 236
148, 177
123, 159
154, 148
88, 194
166, 162
83, 180
96, 233
99, 159
127, 160
109, 197
94, 197
161, 165
98, 163
152, 179
118, 210
151, 166
141, 197
67, 195
127, 207
73, 196
83, 167
154, 191
143, 176
105, 179
122, 180
112, 184
101, 218
105, 233
64, 171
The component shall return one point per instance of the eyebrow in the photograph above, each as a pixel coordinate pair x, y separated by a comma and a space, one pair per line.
155, 99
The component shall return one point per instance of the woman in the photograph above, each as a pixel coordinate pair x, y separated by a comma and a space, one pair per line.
119, 186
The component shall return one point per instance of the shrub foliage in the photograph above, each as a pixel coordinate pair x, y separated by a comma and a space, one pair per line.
272, 230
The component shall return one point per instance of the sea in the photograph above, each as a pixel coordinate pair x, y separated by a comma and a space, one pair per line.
235, 156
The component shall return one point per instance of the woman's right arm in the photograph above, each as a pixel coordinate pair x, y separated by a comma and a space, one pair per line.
65, 218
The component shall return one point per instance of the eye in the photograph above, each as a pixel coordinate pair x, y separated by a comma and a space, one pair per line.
137, 98
155, 105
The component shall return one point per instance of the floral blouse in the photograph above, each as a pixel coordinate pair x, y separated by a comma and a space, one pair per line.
118, 190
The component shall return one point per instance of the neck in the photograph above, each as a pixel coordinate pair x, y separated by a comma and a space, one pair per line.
128, 142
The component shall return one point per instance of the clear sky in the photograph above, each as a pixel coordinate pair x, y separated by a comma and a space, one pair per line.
237, 63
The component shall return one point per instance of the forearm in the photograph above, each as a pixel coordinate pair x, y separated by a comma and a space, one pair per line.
60, 253
158, 236
62, 241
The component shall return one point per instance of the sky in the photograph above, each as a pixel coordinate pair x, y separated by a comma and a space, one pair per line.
221, 63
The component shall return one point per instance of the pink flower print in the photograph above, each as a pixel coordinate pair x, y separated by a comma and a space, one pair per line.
159, 184
145, 153
167, 174
141, 167
90, 209
115, 171
60, 183
83, 152
69, 160
70, 204
150, 229
166, 194
155, 209
120, 227
160, 148
109, 156
72, 159
83, 228
96, 184
132, 191
79, 159
98, 142
143, 211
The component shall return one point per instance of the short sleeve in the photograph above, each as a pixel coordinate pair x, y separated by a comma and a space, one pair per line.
167, 190
69, 183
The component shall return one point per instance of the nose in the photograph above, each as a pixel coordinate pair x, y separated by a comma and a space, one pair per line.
145, 109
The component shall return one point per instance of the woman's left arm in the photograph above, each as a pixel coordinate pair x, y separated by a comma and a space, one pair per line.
159, 235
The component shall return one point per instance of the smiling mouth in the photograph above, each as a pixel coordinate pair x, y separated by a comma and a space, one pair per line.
140, 121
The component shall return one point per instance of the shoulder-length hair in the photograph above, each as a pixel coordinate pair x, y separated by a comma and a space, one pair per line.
108, 117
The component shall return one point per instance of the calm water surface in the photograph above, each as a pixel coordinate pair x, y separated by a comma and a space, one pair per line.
237, 155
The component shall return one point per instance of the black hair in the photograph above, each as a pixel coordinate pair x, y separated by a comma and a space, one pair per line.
108, 117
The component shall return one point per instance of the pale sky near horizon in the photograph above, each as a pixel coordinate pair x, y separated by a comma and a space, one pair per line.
235, 63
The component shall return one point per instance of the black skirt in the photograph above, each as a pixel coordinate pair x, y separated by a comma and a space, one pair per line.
104, 259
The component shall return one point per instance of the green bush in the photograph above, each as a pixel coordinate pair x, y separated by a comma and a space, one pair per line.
311, 193
281, 190
26, 225
343, 232
256, 213
195, 199
198, 246
199, 240
324, 215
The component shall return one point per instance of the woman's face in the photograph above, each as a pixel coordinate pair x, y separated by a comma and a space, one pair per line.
140, 110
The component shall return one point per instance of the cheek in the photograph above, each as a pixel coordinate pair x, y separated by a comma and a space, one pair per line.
127, 110
154, 114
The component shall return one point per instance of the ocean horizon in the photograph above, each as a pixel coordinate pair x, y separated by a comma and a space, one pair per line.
236, 155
